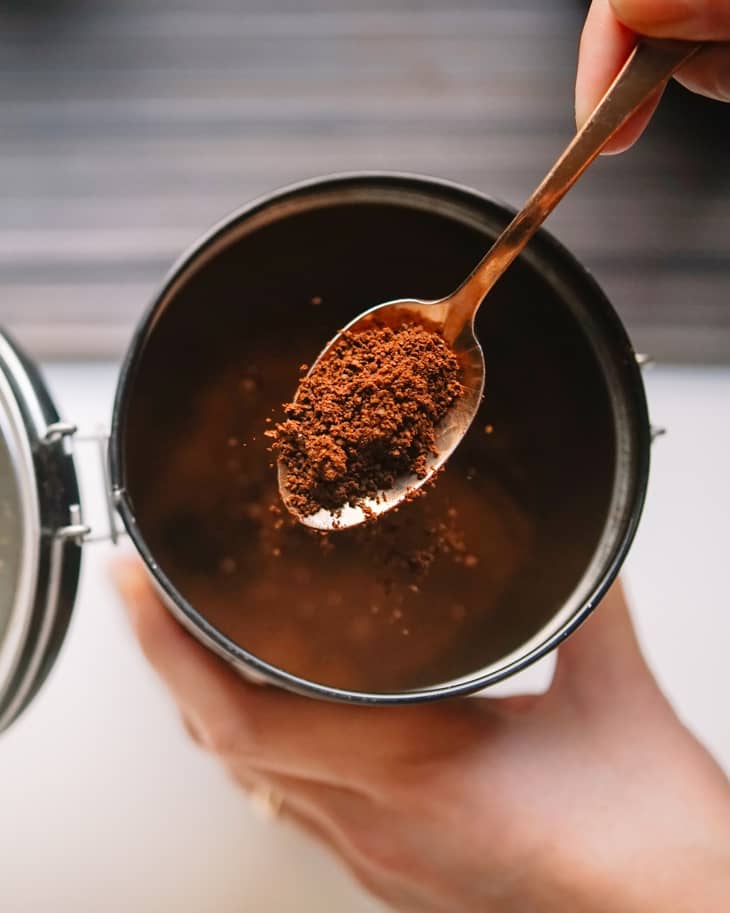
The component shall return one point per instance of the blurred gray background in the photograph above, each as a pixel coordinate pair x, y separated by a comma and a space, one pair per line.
127, 128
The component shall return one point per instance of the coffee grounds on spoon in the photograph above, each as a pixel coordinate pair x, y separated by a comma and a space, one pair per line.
366, 415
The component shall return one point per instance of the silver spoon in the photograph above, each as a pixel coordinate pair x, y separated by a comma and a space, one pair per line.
651, 64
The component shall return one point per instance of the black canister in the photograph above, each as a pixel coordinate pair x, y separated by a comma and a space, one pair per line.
509, 552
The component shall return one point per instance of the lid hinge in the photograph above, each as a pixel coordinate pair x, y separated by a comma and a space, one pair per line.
77, 530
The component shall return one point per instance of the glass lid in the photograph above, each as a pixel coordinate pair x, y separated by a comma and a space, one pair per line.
39, 563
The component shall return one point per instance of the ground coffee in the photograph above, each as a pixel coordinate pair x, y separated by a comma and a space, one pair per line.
366, 415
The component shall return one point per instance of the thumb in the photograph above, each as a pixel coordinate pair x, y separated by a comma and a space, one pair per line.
699, 20
603, 656
605, 45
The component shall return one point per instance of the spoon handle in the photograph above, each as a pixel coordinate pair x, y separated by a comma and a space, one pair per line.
649, 67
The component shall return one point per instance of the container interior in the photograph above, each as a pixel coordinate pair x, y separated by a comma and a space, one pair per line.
455, 580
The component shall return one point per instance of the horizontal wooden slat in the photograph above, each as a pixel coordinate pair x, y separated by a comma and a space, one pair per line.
126, 129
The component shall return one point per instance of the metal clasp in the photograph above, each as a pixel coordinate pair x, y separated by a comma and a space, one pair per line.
643, 360
77, 530
646, 361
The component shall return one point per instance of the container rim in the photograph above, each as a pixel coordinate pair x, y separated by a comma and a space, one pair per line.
566, 264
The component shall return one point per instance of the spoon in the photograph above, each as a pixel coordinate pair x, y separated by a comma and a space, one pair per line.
650, 66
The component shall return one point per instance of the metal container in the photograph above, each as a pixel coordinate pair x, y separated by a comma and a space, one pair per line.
534, 516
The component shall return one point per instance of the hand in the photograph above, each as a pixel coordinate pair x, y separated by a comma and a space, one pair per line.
592, 797
610, 33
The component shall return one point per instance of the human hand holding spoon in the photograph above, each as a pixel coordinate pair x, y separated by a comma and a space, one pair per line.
647, 70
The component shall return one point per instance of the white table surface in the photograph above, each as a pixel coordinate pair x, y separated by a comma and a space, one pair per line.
106, 806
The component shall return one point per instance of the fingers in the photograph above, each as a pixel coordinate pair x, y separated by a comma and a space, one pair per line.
372, 840
314, 810
602, 659
605, 45
697, 20
610, 33
311, 818
206, 692
336, 812
266, 728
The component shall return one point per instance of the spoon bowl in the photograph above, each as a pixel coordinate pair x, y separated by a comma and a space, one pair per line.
650, 66
449, 432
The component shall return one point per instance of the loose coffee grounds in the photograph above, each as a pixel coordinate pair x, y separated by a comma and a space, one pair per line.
366, 415
329, 607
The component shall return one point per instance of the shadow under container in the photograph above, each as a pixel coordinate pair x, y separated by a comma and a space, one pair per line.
506, 555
